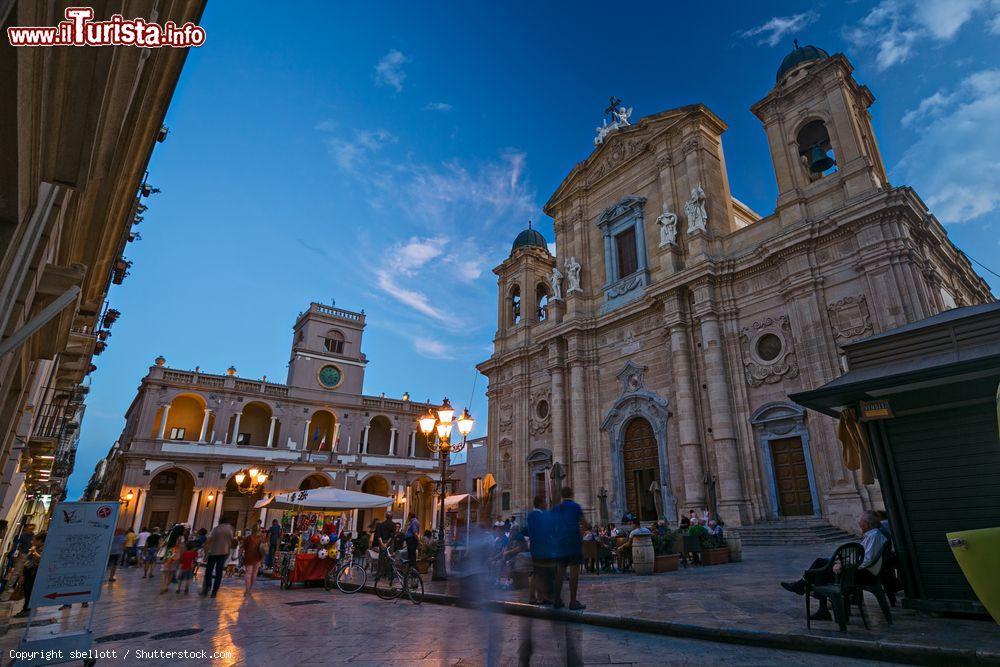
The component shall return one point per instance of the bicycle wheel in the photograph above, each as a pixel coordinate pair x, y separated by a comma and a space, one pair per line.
414, 586
351, 578
390, 586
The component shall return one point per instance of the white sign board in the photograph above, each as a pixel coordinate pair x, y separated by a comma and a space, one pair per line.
75, 556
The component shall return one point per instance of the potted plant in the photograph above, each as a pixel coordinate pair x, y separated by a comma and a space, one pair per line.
714, 551
665, 557
110, 316
426, 551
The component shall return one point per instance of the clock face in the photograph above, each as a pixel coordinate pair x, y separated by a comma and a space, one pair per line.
330, 376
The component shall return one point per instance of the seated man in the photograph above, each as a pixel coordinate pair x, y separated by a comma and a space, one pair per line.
637, 529
714, 529
872, 540
697, 530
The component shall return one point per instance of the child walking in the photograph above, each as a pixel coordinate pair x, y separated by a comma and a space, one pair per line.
187, 563
169, 567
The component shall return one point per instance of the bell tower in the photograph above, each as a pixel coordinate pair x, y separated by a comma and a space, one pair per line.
525, 295
820, 135
326, 350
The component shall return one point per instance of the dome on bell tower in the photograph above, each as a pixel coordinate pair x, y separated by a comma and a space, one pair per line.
801, 54
529, 237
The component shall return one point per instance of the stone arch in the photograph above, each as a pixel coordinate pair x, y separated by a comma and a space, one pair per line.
254, 424
379, 486
779, 420
421, 448
514, 305
379, 435
811, 134
315, 480
322, 430
184, 418
637, 402
168, 497
334, 341
422, 501
539, 463
543, 293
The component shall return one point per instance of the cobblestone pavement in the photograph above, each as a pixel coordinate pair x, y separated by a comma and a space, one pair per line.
312, 626
747, 595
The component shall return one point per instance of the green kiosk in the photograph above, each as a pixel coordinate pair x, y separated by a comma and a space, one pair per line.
918, 406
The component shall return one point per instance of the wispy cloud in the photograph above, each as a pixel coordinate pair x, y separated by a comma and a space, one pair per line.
893, 28
778, 28
953, 161
437, 106
351, 153
389, 70
431, 348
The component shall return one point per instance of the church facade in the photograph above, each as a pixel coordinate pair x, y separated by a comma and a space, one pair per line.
191, 438
653, 354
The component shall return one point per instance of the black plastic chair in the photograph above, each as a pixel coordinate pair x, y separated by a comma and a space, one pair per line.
838, 587
878, 587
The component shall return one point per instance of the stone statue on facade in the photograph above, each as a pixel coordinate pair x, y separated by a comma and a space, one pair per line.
694, 207
555, 280
573, 276
667, 223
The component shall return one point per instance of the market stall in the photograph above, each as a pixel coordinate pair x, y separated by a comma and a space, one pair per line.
313, 551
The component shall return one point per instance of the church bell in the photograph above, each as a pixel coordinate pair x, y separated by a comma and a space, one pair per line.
819, 161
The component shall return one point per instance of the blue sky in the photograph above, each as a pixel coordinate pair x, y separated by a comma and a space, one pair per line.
386, 157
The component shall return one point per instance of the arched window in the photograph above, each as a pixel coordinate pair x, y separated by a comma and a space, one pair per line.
815, 150
515, 305
334, 342
542, 299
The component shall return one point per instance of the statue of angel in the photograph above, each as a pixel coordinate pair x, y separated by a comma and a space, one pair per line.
622, 116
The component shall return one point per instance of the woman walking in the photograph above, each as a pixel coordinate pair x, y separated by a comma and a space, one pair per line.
253, 548
149, 555
169, 568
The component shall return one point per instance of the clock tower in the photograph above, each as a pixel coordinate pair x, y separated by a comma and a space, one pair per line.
326, 350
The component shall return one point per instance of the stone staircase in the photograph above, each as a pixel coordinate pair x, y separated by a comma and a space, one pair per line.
792, 531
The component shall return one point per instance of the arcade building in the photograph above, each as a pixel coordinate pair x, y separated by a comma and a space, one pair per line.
198, 446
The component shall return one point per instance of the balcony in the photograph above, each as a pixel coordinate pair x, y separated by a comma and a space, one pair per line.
220, 382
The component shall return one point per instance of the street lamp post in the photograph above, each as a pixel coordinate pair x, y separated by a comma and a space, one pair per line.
442, 424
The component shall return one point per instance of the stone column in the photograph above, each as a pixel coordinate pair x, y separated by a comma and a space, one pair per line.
193, 509
305, 435
412, 448
236, 429
364, 440
270, 432
726, 455
393, 433
336, 438
687, 418
558, 416
163, 421
204, 425
140, 505
581, 452
218, 508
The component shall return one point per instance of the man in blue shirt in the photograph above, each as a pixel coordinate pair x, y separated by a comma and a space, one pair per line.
567, 521
543, 563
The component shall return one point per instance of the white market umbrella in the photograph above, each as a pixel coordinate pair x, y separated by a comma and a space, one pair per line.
324, 498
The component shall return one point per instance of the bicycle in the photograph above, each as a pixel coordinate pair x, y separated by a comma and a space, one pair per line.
391, 585
350, 576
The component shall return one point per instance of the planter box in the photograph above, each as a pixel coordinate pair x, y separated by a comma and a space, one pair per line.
719, 556
667, 563
423, 565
